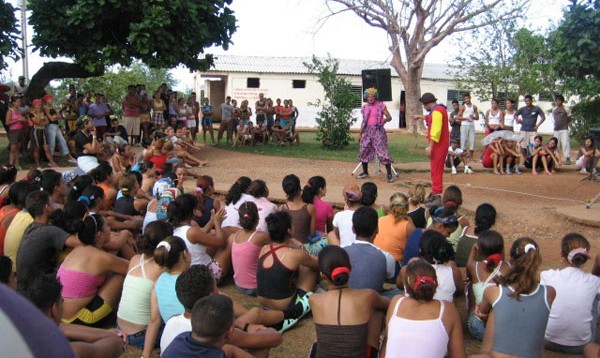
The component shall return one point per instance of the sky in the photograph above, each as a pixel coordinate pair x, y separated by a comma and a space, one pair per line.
297, 28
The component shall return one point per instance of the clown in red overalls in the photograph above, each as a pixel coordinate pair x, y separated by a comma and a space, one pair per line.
438, 138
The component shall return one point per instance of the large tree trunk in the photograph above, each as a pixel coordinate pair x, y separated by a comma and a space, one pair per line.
411, 80
56, 70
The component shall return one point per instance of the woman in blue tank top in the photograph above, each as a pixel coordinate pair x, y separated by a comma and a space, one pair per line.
519, 307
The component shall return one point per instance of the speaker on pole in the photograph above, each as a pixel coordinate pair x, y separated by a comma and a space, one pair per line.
380, 79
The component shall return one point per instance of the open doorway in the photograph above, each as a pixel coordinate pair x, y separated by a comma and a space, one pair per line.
402, 116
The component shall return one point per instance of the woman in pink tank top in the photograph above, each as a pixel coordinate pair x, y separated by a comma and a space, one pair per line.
15, 122
245, 247
418, 325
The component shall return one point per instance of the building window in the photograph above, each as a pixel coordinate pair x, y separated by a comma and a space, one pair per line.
298, 83
455, 95
253, 82
358, 91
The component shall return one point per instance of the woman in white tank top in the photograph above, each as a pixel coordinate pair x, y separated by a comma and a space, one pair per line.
494, 117
418, 325
509, 115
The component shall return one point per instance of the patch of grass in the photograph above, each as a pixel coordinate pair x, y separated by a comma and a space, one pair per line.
403, 148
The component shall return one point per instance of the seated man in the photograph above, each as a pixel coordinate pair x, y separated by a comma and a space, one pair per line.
44, 291
260, 134
197, 282
116, 134
212, 324
371, 266
456, 156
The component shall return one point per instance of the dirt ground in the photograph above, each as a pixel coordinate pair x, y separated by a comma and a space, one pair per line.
526, 206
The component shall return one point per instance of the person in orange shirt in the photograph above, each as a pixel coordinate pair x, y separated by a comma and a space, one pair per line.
395, 228
438, 138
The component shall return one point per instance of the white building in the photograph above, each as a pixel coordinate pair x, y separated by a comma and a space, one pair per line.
244, 77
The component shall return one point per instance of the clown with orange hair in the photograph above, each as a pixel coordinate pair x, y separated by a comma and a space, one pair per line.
372, 137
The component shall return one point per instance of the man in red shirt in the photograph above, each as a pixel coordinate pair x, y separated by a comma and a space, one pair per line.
438, 139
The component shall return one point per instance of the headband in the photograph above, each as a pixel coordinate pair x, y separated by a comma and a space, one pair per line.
352, 196
338, 271
199, 190
419, 280
529, 247
452, 219
164, 244
575, 252
85, 199
495, 259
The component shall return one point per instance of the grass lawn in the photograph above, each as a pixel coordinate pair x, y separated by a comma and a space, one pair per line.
403, 148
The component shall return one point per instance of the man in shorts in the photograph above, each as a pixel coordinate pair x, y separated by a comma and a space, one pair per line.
132, 106
527, 117
226, 123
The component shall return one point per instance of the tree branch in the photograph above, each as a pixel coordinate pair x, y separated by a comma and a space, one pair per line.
56, 70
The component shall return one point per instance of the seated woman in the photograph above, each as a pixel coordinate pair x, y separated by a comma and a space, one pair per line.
483, 274
493, 156
123, 159
549, 156
587, 157
512, 156
103, 176
205, 189
302, 214
205, 248
519, 297
369, 198
157, 153
437, 251
245, 247
236, 196
128, 204
395, 228
286, 274
133, 315
541, 154
172, 256
419, 325
354, 327
485, 218
259, 191
571, 324
313, 193
342, 234
92, 279
416, 209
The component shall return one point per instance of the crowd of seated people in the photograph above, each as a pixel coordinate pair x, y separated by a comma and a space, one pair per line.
139, 264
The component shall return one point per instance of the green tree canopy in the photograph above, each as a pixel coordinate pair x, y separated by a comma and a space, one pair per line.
100, 33
8, 33
575, 48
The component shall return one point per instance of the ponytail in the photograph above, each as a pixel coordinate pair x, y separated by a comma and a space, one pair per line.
334, 263
181, 210
523, 275
420, 281
168, 251
311, 189
575, 248
237, 189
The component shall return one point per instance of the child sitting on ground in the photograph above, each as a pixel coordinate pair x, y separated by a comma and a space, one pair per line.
585, 156
455, 156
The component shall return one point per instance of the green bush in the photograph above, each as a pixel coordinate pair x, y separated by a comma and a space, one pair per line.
585, 116
335, 117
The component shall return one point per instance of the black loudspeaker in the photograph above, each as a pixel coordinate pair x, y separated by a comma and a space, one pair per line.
380, 79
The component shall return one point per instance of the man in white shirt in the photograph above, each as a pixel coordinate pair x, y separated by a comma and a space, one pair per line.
455, 156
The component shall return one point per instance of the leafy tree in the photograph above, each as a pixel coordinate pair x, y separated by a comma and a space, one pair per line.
100, 33
485, 69
576, 52
335, 117
575, 48
8, 33
416, 27
508, 63
113, 84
